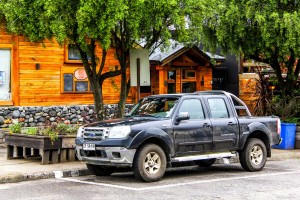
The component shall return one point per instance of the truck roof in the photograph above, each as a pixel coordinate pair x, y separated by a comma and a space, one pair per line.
210, 92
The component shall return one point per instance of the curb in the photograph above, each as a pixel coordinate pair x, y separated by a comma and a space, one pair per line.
44, 175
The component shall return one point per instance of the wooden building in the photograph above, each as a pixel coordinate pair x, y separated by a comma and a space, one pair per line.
42, 74
181, 70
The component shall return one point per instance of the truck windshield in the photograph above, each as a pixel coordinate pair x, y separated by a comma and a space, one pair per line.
160, 107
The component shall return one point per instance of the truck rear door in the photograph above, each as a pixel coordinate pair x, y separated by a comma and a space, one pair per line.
224, 123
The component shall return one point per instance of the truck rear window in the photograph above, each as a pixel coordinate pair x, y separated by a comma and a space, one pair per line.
218, 108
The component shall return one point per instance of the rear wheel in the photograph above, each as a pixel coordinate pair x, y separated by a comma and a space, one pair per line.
205, 163
254, 155
99, 170
150, 163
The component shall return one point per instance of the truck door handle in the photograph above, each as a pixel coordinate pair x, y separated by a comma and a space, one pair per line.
230, 123
206, 125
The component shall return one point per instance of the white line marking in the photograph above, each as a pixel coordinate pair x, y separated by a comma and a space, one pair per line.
177, 184
99, 184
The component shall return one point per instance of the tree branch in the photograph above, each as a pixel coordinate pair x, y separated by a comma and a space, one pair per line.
104, 53
109, 74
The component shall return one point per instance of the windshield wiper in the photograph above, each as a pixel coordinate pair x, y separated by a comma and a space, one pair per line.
145, 115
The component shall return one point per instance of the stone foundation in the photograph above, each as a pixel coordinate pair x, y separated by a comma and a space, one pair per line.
39, 115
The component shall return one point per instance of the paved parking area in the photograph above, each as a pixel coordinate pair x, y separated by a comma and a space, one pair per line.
278, 180
187, 176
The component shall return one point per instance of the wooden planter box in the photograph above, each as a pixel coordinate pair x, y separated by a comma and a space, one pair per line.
297, 138
32, 145
67, 151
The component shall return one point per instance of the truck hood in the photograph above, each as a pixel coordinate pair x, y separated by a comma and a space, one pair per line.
123, 122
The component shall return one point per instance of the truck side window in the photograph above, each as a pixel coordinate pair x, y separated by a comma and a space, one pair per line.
218, 108
193, 107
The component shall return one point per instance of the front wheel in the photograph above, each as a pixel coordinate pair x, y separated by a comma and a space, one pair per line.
150, 163
254, 155
99, 170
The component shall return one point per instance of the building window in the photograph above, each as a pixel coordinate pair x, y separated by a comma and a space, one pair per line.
72, 54
75, 80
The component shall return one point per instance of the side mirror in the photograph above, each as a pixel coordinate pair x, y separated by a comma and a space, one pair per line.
183, 116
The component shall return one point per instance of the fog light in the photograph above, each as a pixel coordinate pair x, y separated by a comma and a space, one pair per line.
116, 155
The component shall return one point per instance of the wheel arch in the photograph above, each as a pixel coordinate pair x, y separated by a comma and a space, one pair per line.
162, 144
263, 137
259, 135
259, 131
154, 136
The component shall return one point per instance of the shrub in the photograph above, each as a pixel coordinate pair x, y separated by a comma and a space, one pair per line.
287, 108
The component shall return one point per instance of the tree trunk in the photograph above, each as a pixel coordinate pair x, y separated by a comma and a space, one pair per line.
98, 100
123, 95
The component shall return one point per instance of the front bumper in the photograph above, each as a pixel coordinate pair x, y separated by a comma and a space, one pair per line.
111, 156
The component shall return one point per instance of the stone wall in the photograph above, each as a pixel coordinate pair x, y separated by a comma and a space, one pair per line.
39, 115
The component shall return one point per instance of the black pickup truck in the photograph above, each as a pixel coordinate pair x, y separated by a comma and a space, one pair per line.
165, 129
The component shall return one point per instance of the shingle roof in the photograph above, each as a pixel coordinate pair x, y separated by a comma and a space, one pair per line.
159, 55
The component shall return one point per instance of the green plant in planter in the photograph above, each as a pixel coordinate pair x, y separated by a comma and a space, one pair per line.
15, 128
72, 130
30, 131
50, 133
62, 127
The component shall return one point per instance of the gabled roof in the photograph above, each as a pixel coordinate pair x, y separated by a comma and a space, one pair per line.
176, 48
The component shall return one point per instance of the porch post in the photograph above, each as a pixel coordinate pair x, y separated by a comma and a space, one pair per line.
161, 80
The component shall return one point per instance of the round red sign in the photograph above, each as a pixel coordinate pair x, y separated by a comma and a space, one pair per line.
80, 74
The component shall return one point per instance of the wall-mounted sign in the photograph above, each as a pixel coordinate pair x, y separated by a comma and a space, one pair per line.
2, 78
80, 74
143, 55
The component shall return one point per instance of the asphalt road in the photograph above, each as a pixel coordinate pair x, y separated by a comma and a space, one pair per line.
278, 180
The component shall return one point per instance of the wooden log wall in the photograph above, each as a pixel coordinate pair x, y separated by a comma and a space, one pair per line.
43, 86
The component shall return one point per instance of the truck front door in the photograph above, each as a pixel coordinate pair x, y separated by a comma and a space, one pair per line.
192, 136
224, 124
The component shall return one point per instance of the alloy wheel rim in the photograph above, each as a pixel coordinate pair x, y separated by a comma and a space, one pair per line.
256, 155
152, 163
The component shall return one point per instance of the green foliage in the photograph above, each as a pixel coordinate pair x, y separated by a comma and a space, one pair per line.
293, 120
30, 131
120, 23
15, 128
72, 130
286, 107
267, 31
50, 133
62, 127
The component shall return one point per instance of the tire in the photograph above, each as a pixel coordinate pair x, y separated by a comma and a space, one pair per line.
254, 155
205, 163
99, 170
150, 163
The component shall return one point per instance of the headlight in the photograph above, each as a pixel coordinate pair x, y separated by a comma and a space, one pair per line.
80, 132
119, 132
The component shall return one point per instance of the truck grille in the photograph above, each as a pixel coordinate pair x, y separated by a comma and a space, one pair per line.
95, 134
